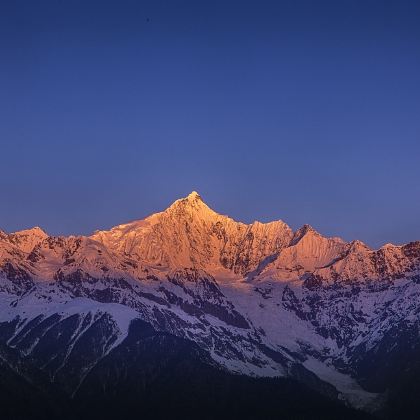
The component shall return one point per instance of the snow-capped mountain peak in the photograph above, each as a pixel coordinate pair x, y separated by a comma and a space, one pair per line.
194, 195
190, 234
259, 298
27, 239
192, 206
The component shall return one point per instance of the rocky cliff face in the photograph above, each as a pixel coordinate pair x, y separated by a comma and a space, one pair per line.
258, 299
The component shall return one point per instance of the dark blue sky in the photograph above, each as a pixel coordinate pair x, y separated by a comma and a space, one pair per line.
308, 111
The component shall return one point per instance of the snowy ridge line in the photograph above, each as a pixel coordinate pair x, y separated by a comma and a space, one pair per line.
261, 299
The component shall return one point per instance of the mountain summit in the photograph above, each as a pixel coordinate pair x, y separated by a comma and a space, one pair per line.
190, 234
194, 195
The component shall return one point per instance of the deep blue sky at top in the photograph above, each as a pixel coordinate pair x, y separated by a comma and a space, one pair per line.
308, 111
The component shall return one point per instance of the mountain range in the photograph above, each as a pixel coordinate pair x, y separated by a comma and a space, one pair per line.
188, 309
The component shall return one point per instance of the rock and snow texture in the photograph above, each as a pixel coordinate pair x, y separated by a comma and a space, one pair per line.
259, 298
190, 234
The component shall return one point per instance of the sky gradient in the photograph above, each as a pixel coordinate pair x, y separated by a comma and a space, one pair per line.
297, 110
